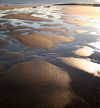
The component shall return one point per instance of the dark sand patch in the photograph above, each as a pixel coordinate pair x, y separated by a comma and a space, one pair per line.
2, 67
80, 31
79, 23
44, 40
53, 30
82, 64
51, 25
11, 54
2, 28
3, 42
35, 84
83, 10
84, 51
23, 16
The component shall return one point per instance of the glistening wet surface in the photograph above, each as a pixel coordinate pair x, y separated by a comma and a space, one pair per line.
49, 56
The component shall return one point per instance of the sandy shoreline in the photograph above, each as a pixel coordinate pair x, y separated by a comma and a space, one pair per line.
4, 7
49, 56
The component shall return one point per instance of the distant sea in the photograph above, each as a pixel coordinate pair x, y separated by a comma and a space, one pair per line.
8, 2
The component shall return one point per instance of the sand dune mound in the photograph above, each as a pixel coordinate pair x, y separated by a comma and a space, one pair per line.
35, 84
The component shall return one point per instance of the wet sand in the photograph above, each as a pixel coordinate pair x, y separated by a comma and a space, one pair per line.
23, 16
46, 61
54, 30
43, 40
3, 42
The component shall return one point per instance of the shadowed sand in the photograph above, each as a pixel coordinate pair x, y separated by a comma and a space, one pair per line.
83, 10
3, 42
51, 25
84, 51
54, 30
9, 54
44, 40
23, 16
79, 23
80, 31
2, 67
36, 84
83, 64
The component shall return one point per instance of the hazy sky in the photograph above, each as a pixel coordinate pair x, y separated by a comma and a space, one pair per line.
48, 1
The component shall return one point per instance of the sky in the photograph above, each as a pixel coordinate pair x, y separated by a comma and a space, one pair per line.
47, 1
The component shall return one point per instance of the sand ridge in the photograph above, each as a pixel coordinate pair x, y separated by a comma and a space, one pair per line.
44, 40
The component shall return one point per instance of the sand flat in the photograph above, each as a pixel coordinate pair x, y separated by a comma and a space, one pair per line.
44, 40
82, 10
82, 64
23, 16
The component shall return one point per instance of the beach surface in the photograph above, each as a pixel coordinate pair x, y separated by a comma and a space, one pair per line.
49, 56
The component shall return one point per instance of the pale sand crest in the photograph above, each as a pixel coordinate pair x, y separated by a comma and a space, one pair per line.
82, 64
80, 31
35, 84
84, 51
